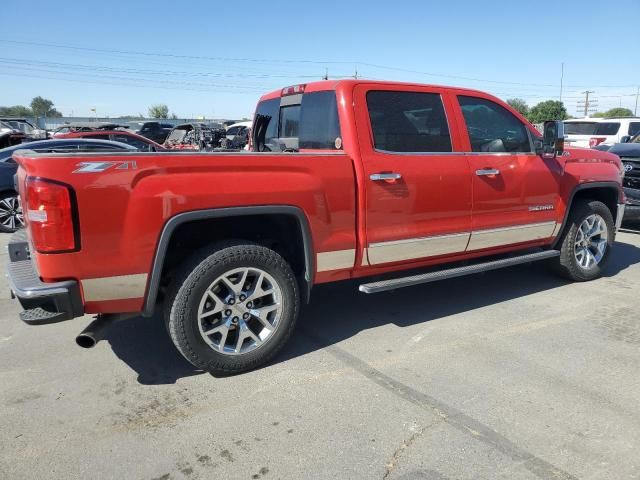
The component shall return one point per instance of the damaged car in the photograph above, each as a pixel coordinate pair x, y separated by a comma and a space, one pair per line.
194, 136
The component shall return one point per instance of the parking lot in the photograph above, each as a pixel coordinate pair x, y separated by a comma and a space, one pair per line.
508, 374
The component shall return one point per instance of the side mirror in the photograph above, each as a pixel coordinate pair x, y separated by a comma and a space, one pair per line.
553, 139
625, 139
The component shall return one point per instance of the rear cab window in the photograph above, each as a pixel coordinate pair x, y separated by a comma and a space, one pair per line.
304, 121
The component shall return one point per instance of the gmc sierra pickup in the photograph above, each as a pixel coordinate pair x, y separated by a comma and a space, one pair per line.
345, 179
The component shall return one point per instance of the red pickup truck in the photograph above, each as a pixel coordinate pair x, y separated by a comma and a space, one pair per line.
345, 179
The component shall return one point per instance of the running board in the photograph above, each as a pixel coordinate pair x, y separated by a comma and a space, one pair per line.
392, 284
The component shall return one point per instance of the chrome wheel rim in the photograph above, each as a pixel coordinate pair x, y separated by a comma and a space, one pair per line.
591, 241
11, 213
240, 311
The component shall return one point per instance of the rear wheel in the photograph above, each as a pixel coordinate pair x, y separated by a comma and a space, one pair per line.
586, 243
11, 218
233, 308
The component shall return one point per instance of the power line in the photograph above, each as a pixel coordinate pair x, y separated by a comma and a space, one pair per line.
290, 61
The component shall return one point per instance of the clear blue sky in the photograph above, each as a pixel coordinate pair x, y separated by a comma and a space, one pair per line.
241, 49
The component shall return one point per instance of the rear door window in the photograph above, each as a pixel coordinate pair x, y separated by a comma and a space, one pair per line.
634, 128
492, 128
408, 122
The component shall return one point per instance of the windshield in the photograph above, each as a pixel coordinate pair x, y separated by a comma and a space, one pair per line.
607, 128
579, 128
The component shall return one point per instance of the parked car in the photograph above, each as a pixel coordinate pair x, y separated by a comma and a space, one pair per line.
10, 136
194, 136
156, 131
11, 217
613, 130
578, 131
358, 178
237, 135
30, 131
137, 141
86, 127
629, 153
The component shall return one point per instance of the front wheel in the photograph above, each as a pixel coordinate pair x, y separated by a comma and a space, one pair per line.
588, 237
233, 308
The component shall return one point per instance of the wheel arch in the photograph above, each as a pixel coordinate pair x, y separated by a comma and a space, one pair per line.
181, 219
606, 192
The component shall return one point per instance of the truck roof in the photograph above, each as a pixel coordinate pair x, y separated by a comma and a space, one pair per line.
324, 85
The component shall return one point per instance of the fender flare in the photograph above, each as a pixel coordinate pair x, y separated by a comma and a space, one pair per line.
174, 222
579, 188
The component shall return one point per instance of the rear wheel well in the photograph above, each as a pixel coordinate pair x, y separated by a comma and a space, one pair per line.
279, 232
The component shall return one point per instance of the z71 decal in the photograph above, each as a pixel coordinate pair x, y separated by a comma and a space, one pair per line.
97, 167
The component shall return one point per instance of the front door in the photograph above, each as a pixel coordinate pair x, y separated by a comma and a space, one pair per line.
515, 191
418, 191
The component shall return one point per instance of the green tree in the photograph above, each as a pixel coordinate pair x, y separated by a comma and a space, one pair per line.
618, 112
16, 111
520, 105
159, 111
43, 107
548, 110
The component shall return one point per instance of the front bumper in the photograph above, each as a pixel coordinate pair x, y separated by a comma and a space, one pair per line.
632, 207
43, 303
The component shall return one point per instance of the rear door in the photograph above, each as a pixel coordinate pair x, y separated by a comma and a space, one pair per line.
418, 190
515, 191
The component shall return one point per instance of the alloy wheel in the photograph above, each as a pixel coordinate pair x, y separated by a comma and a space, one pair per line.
591, 241
240, 311
11, 213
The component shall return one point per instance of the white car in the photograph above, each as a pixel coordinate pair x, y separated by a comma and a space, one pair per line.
613, 130
591, 132
578, 131
238, 133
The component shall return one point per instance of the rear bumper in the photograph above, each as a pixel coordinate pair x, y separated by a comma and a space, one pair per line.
43, 303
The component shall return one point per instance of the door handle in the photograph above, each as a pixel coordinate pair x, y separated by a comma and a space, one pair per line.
487, 171
377, 177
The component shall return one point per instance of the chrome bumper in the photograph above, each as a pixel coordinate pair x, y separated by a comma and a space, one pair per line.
620, 215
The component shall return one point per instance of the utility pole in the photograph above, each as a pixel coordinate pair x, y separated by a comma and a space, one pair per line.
561, 79
635, 111
587, 103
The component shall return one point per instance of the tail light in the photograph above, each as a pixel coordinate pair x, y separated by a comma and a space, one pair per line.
595, 141
49, 209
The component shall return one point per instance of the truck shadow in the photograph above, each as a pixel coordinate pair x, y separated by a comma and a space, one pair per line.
338, 311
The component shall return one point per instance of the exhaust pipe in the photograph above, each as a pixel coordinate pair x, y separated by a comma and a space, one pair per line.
90, 336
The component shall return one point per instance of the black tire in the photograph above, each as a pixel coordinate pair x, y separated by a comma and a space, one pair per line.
192, 283
568, 264
10, 212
